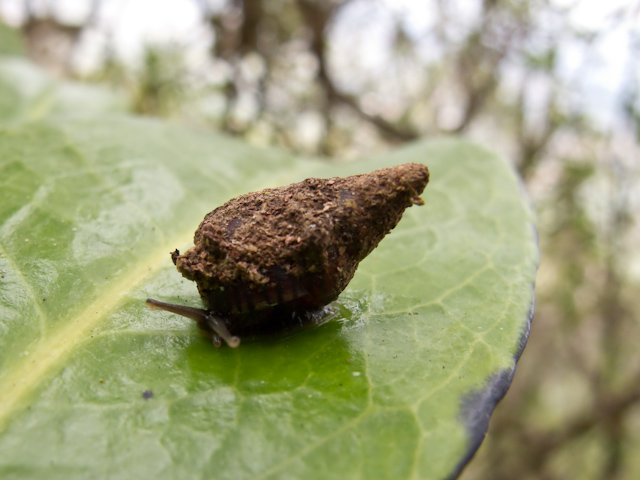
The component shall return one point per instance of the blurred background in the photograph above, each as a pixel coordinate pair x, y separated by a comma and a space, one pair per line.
552, 85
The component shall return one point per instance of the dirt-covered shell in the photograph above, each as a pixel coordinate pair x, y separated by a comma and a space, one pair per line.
296, 246
270, 259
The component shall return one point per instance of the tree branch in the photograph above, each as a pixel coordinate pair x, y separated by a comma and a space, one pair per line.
317, 16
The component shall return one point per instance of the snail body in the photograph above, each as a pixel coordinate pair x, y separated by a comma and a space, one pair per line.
278, 254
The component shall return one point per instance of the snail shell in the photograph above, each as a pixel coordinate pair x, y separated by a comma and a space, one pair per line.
280, 253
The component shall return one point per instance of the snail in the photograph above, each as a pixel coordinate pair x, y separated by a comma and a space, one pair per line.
277, 255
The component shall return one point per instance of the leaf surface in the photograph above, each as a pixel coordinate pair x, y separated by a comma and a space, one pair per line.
399, 383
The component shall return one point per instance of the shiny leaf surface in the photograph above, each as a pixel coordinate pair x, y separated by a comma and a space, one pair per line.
398, 383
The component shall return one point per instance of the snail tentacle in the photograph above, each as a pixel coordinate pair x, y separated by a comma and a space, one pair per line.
202, 317
218, 326
197, 314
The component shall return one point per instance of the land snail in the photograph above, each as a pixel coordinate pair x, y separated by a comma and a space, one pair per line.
277, 255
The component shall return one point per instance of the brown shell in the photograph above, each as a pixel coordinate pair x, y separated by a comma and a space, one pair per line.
292, 249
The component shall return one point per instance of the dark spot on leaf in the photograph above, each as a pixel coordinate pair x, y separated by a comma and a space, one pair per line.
147, 394
477, 405
476, 410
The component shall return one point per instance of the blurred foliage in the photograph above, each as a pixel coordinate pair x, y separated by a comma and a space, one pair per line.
10, 41
299, 74
159, 84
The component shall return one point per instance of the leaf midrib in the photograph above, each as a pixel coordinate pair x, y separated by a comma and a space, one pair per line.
25, 375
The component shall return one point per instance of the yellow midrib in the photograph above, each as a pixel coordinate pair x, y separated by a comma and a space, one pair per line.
28, 373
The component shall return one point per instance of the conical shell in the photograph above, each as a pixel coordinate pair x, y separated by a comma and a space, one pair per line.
295, 248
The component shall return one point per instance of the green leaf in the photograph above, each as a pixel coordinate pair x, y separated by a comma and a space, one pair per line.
399, 383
